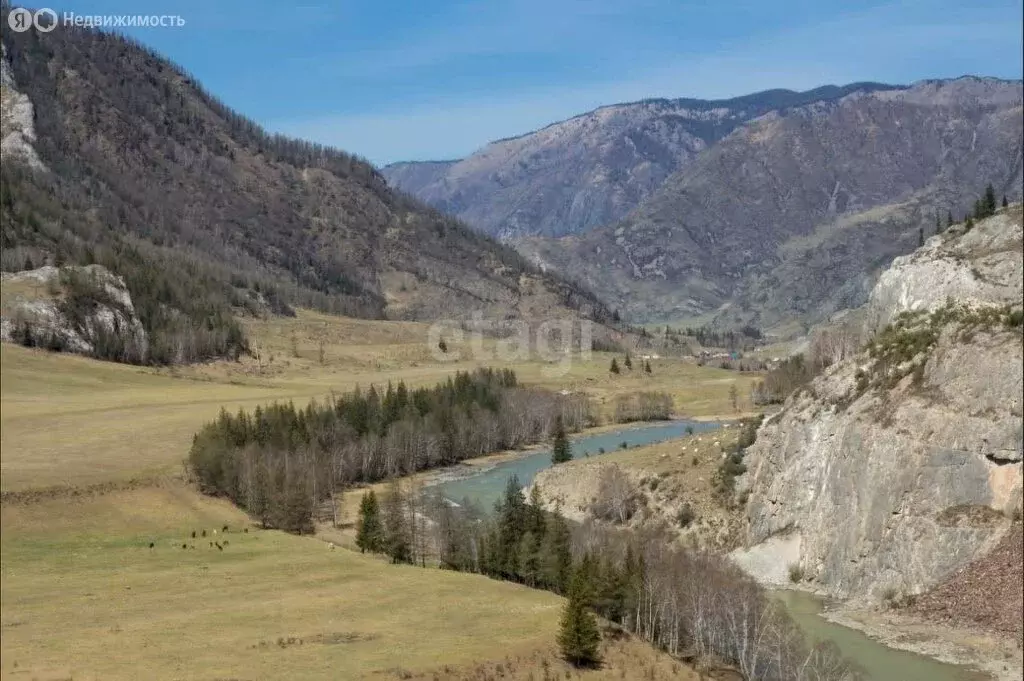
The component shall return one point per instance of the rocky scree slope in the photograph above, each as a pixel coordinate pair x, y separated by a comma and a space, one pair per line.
590, 170
792, 216
901, 464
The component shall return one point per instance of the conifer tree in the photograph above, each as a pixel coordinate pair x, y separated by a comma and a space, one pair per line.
370, 534
578, 635
920, 237
614, 368
628, 362
397, 539
647, 367
989, 202
1005, 202
511, 514
557, 553
949, 219
561, 450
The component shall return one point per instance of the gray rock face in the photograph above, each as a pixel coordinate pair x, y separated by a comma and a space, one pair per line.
587, 171
33, 305
793, 215
894, 488
17, 130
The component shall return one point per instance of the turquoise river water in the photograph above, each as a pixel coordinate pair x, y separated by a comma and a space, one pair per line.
879, 662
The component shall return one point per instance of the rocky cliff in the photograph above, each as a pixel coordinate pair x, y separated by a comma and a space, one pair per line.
792, 215
590, 170
900, 465
85, 310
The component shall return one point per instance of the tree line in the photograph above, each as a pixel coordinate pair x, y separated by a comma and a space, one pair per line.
279, 461
688, 602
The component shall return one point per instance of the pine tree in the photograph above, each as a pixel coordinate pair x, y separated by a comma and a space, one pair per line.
628, 362
989, 202
397, 539
561, 450
949, 219
1005, 202
968, 224
647, 367
578, 635
557, 554
370, 534
938, 224
614, 368
920, 237
512, 516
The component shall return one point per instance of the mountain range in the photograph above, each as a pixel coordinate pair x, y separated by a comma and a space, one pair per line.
776, 209
114, 156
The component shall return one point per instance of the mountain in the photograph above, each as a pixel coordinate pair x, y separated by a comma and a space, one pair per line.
590, 170
791, 216
113, 156
901, 463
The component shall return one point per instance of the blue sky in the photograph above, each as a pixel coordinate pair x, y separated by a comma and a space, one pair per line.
432, 79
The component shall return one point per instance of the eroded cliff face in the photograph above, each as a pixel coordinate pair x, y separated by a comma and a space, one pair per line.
85, 310
901, 464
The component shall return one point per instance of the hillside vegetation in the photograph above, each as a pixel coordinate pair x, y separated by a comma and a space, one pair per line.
269, 605
205, 215
791, 217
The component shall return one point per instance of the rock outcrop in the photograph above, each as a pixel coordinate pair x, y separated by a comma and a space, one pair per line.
793, 215
86, 310
902, 464
17, 132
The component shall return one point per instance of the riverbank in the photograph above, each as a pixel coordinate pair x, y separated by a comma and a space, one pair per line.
483, 464
996, 657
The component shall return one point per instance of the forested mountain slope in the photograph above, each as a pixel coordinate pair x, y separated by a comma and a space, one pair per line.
121, 159
590, 170
791, 216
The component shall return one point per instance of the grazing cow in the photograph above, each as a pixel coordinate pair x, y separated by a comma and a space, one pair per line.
219, 547
193, 534
330, 545
225, 542
246, 530
224, 529
204, 533
211, 545
184, 546
152, 545
215, 533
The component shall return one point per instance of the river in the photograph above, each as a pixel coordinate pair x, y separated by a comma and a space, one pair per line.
485, 486
879, 662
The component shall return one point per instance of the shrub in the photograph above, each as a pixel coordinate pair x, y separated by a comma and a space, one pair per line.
796, 573
685, 516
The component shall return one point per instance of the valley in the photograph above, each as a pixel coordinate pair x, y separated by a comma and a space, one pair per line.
92, 473
723, 387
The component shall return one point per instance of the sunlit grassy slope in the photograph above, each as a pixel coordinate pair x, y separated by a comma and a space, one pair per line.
84, 597
68, 420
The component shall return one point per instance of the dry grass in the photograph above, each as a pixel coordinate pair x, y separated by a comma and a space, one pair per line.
72, 421
667, 475
85, 598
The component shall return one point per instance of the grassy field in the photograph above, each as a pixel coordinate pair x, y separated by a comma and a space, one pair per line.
72, 421
84, 597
